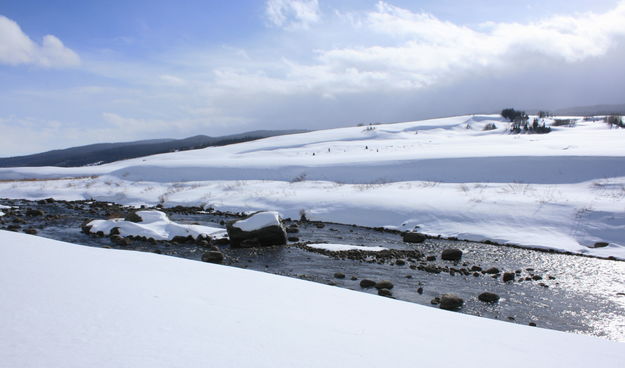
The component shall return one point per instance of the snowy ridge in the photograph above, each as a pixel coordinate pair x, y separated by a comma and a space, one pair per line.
73, 306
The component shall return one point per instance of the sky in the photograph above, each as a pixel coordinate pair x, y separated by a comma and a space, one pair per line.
81, 72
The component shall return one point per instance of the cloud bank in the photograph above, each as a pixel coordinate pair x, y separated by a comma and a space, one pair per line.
17, 48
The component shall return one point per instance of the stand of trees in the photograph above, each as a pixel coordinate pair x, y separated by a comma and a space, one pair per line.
520, 122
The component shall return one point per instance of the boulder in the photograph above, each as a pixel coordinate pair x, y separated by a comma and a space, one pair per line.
492, 271
339, 275
259, 229
451, 302
451, 254
601, 244
413, 237
367, 283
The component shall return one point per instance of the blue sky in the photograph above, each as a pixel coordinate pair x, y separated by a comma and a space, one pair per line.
79, 72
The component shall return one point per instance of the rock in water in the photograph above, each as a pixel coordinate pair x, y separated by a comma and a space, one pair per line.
451, 302
385, 284
508, 276
259, 229
412, 237
367, 283
451, 254
487, 297
213, 257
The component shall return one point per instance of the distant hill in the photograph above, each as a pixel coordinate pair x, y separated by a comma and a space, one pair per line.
592, 110
101, 153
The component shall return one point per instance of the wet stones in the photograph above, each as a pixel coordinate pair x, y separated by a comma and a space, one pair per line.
508, 276
213, 256
339, 275
451, 254
366, 283
30, 231
488, 297
32, 212
451, 302
413, 237
492, 271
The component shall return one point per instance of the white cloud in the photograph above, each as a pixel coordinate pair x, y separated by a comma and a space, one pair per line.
292, 14
17, 48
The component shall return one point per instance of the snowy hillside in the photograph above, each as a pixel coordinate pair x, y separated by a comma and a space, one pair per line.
73, 306
563, 190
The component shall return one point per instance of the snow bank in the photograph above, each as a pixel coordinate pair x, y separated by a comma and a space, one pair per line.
259, 221
155, 225
564, 190
345, 247
65, 305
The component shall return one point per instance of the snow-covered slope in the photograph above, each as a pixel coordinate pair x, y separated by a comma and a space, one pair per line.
64, 305
563, 190
450, 150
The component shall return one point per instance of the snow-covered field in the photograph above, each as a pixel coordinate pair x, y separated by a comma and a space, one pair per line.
564, 190
64, 305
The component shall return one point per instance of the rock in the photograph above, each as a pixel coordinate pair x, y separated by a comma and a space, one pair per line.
339, 275
292, 230
487, 297
508, 276
221, 241
400, 262
451, 254
34, 212
435, 301
30, 231
180, 239
366, 283
601, 244
293, 239
384, 284
451, 302
120, 241
533, 324
213, 257
114, 231
476, 268
133, 217
264, 227
492, 271
320, 225
420, 290
413, 237
384, 292
430, 258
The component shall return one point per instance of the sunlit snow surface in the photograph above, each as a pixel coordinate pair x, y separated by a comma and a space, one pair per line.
564, 190
64, 305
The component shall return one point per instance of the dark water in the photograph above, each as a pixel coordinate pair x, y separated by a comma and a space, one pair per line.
576, 294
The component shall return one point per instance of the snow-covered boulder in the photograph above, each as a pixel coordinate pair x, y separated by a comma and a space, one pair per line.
259, 229
151, 224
